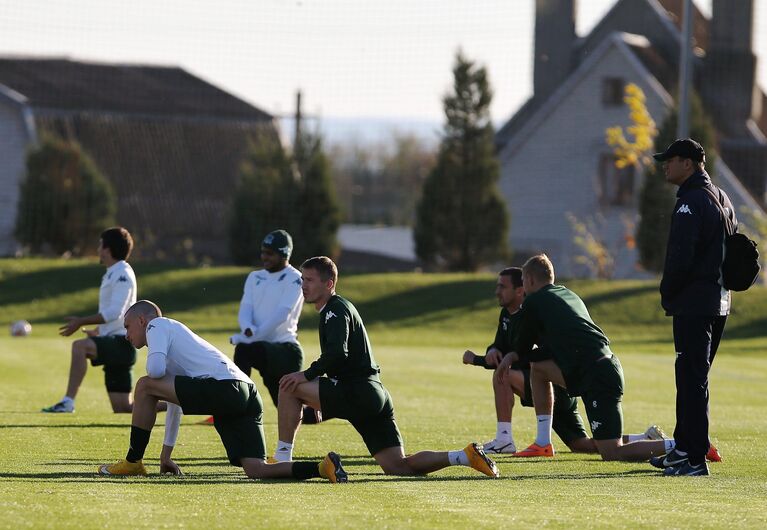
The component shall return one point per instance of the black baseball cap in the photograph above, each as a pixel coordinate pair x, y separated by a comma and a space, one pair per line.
686, 148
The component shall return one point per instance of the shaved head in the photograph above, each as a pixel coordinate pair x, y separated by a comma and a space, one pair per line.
145, 308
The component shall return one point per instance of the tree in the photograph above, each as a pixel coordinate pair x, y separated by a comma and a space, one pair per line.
265, 199
318, 211
461, 220
657, 197
280, 190
65, 201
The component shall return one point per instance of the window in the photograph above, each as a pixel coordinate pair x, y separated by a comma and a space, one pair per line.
612, 91
615, 186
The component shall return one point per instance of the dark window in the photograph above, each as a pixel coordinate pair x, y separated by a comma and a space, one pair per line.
612, 91
615, 186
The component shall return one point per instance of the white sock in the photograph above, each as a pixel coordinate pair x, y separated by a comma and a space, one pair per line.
503, 432
544, 430
636, 437
458, 458
67, 400
284, 452
668, 445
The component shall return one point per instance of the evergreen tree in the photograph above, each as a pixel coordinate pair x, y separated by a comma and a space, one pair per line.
265, 199
65, 201
461, 220
319, 214
657, 197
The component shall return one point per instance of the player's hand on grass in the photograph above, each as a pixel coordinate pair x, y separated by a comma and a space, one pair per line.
169, 466
494, 357
290, 382
468, 357
72, 325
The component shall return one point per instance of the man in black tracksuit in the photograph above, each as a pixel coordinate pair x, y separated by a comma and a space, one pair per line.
692, 293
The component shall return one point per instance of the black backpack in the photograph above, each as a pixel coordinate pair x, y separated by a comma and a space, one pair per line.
741, 258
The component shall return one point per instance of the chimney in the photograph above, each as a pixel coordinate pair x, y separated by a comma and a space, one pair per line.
728, 86
554, 39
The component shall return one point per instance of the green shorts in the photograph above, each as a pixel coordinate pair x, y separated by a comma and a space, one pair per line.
566, 420
368, 407
236, 409
117, 356
602, 396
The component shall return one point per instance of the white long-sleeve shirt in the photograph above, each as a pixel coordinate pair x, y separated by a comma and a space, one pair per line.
271, 305
173, 349
117, 293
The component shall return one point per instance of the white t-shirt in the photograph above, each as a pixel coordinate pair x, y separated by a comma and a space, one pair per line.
117, 293
271, 305
186, 353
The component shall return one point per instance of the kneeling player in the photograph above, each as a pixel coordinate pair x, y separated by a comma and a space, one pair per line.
193, 376
352, 389
566, 421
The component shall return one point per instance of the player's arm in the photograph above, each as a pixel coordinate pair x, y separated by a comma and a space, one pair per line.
172, 423
682, 241
74, 323
245, 315
335, 347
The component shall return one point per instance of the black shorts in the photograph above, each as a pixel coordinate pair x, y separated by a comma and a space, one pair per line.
602, 398
368, 407
237, 412
117, 356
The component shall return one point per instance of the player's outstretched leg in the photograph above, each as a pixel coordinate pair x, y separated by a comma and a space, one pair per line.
394, 462
329, 468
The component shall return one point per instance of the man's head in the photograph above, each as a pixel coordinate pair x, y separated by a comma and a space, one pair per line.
537, 272
319, 276
136, 319
276, 249
116, 244
508, 288
681, 159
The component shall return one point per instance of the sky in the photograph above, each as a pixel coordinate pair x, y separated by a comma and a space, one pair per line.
387, 59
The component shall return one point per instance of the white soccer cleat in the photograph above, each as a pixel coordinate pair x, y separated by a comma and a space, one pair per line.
494, 447
654, 432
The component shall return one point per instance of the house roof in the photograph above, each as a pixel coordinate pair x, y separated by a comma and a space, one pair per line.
66, 85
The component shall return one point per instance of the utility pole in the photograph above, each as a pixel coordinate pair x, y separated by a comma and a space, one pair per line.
683, 123
298, 118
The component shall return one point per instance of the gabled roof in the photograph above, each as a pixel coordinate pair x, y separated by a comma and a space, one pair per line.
626, 44
65, 85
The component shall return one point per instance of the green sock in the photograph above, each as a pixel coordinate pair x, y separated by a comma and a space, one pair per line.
139, 439
305, 470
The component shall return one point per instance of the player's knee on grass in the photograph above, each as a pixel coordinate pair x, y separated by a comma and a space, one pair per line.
609, 450
582, 445
253, 467
393, 461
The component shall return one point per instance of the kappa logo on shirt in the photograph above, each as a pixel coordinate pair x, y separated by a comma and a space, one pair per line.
282, 277
329, 315
297, 282
684, 209
505, 325
150, 326
122, 279
595, 425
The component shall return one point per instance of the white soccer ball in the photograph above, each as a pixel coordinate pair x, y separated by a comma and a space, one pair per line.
21, 328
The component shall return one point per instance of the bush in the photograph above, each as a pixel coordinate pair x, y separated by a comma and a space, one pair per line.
65, 201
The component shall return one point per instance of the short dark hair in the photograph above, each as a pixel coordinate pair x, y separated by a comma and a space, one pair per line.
324, 266
146, 308
119, 242
515, 273
540, 268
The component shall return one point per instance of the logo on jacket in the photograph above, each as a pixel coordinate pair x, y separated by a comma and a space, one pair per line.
282, 277
328, 316
684, 209
122, 279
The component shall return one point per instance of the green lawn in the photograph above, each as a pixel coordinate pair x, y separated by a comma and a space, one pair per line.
419, 326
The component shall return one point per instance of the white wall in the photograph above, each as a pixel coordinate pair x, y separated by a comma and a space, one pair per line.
554, 167
13, 145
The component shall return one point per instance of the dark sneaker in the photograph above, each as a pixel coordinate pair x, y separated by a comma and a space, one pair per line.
687, 470
670, 459
61, 406
331, 469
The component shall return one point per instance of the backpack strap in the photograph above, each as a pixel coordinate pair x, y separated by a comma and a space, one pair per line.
729, 224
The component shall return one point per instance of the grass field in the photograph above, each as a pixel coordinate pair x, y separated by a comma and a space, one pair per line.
419, 326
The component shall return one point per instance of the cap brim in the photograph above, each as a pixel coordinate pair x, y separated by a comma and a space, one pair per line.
661, 157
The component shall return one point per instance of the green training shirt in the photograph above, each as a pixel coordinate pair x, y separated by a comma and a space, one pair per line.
557, 320
345, 351
505, 339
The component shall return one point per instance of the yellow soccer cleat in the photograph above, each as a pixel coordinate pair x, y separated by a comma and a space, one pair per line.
480, 461
123, 468
331, 469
